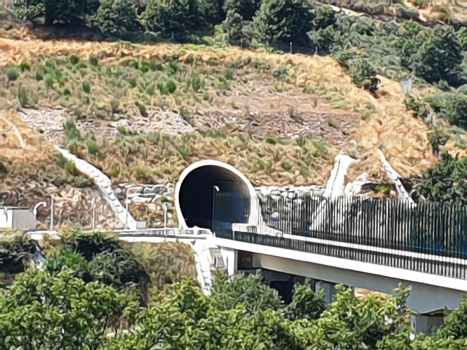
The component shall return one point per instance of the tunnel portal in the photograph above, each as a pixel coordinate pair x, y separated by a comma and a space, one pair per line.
199, 183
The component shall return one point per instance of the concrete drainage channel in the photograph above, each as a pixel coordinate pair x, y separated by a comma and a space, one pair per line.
105, 186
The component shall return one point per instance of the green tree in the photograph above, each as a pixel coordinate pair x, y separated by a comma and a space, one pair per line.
69, 259
172, 16
439, 57
247, 9
306, 304
101, 257
212, 12
238, 20
249, 291
371, 323
285, 20
16, 252
56, 11
117, 17
325, 17
446, 181
61, 312
325, 38
234, 26
453, 106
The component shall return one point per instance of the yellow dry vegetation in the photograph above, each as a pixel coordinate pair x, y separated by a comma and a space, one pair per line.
393, 129
21, 143
442, 9
162, 158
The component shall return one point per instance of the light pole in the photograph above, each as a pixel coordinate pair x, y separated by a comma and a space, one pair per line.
94, 207
165, 206
34, 211
52, 209
214, 190
128, 202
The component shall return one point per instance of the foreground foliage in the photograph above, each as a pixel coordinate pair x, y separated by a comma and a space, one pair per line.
42, 311
99, 257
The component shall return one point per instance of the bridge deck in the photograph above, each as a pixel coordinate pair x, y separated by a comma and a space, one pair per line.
427, 238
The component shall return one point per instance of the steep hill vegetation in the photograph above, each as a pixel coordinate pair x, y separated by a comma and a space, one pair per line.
143, 111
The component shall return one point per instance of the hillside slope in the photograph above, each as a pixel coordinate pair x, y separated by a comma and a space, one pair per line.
142, 113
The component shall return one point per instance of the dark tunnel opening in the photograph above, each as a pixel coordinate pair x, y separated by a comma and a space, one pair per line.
196, 196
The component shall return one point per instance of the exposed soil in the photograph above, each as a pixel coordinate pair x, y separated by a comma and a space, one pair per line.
282, 115
335, 129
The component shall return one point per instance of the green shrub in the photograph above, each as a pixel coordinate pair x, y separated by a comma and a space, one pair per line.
94, 61
24, 66
38, 76
229, 74
23, 97
325, 38
93, 147
170, 86
438, 137
12, 74
49, 82
156, 66
420, 108
74, 59
446, 181
86, 87
271, 140
70, 259
453, 106
72, 133
197, 82
363, 75
3, 169
142, 108
421, 4
173, 68
115, 105
133, 83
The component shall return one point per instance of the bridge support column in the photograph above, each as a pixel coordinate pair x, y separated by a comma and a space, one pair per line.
230, 260
329, 290
426, 324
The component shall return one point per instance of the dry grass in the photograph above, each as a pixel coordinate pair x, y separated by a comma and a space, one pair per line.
28, 156
167, 262
159, 158
410, 157
22, 144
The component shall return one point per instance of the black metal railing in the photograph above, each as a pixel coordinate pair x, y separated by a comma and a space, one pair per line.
426, 237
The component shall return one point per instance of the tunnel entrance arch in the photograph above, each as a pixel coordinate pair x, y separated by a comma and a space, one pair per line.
196, 190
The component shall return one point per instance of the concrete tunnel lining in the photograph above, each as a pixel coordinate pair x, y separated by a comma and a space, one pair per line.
195, 188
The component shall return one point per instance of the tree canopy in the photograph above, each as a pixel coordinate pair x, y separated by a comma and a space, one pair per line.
61, 311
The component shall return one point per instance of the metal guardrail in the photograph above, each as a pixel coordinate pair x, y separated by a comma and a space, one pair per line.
418, 262
427, 237
169, 232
